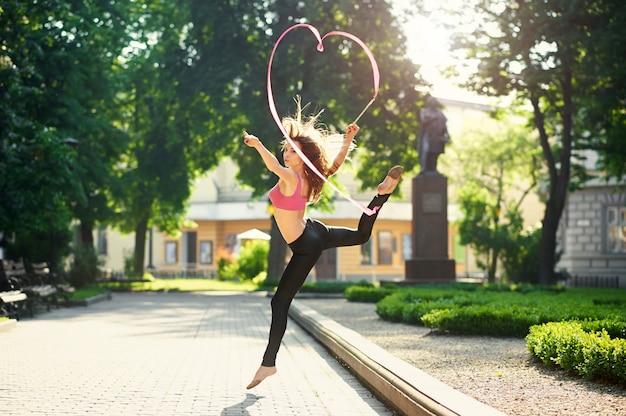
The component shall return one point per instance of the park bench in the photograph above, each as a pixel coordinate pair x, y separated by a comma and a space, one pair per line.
63, 289
11, 303
12, 299
38, 292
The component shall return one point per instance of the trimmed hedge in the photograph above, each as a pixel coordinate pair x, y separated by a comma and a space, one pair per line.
368, 294
513, 321
579, 329
495, 312
331, 287
585, 348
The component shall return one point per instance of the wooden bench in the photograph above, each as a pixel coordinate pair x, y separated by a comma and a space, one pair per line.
37, 292
63, 289
12, 299
11, 303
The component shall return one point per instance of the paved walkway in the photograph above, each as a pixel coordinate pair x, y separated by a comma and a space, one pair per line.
170, 354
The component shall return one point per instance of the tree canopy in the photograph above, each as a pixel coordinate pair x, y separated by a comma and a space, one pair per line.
157, 93
494, 171
550, 54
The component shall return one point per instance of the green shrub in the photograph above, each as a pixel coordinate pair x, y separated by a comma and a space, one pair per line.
390, 308
585, 348
482, 320
226, 268
253, 259
333, 287
84, 267
500, 310
369, 294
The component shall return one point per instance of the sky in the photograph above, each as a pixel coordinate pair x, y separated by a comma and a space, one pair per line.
428, 47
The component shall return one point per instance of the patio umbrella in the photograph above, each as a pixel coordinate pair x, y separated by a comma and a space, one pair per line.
253, 234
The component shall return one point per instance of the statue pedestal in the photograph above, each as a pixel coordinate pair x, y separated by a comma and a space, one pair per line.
429, 262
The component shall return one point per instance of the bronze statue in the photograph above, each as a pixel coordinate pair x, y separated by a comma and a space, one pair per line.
433, 135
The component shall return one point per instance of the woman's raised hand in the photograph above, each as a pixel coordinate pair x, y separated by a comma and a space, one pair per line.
250, 140
351, 131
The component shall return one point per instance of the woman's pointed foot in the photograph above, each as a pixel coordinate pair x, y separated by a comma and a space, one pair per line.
261, 374
392, 179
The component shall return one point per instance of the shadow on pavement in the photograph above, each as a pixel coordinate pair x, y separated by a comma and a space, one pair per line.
239, 409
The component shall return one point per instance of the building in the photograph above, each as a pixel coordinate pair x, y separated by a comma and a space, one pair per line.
592, 232
220, 209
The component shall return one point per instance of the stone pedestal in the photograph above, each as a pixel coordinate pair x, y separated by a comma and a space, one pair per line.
429, 261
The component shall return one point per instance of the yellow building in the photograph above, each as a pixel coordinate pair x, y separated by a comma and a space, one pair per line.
220, 209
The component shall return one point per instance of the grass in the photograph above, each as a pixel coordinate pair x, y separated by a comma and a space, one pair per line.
184, 285
202, 285
87, 292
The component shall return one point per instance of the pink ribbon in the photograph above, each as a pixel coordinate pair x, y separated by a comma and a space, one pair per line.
272, 105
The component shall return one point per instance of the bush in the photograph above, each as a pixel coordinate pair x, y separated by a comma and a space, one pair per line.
498, 310
333, 287
579, 329
585, 348
84, 267
513, 321
253, 259
369, 294
226, 265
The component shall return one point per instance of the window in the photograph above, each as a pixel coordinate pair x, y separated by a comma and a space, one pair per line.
366, 253
102, 241
616, 229
407, 246
385, 247
206, 252
171, 252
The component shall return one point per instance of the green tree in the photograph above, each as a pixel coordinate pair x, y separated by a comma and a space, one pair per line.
494, 172
543, 53
339, 81
60, 81
37, 183
181, 80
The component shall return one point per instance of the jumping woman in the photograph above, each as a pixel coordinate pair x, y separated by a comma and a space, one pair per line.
297, 186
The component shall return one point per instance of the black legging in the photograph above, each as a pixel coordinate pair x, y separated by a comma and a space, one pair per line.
307, 249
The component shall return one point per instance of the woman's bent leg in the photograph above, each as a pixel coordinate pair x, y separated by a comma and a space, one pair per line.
342, 236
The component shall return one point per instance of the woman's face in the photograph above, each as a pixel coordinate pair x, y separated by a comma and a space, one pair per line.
291, 158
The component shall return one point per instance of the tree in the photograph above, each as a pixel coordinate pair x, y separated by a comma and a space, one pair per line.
37, 183
61, 70
604, 106
542, 52
181, 80
494, 172
339, 81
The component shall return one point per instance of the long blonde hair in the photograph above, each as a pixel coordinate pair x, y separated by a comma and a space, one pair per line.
318, 144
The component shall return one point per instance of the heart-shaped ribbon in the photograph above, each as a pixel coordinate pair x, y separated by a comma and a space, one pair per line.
272, 105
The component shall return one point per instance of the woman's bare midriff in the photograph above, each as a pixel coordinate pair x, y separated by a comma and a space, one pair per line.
290, 223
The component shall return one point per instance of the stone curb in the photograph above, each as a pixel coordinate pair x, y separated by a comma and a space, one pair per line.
406, 388
91, 300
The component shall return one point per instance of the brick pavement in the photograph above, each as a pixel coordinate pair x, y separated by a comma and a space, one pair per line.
170, 354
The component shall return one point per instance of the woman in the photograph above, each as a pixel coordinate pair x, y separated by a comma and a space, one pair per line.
297, 186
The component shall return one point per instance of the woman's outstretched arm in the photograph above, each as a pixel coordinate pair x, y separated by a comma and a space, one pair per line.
271, 162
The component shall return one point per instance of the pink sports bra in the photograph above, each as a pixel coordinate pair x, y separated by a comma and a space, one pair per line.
295, 202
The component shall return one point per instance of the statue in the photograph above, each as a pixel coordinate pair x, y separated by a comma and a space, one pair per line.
433, 135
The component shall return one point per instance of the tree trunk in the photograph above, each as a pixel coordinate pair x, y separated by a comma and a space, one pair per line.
547, 245
559, 179
140, 247
276, 255
86, 233
493, 267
